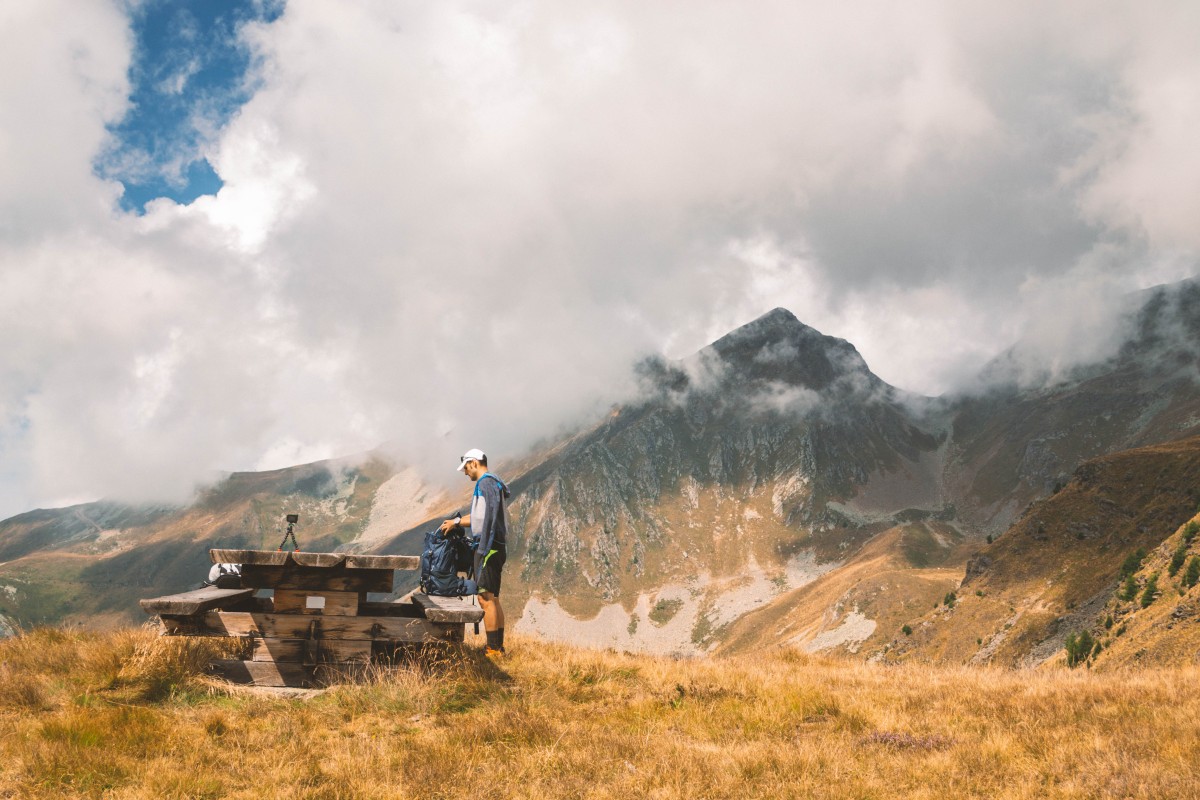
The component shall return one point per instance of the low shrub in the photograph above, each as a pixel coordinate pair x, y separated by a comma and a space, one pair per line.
1079, 648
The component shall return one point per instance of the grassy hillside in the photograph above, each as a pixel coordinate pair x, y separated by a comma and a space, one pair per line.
90, 564
1057, 569
1153, 616
127, 715
859, 607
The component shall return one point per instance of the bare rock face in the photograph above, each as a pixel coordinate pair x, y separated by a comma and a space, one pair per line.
777, 348
774, 413
977, 567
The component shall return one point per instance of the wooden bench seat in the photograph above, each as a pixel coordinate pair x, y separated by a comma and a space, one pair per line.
448, 609
196, 601
298, 626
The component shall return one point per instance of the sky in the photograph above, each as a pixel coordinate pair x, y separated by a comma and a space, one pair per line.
244, 235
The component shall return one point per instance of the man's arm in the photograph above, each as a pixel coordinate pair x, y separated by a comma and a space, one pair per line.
454, 522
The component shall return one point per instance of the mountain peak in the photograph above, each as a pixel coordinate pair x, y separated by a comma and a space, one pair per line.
778, 319
779, 314
778, 347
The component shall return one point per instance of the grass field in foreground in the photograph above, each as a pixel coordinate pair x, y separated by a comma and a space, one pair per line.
129, 715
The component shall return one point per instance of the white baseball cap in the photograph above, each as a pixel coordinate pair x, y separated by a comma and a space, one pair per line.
474, 454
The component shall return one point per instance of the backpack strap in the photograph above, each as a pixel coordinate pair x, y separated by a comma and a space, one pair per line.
503, 488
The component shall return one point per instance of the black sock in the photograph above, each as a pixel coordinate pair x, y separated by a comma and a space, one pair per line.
495, 640
500, 639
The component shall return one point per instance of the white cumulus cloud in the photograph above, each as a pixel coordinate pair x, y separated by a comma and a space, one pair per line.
450, 225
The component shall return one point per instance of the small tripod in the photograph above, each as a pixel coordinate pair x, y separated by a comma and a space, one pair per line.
292, 519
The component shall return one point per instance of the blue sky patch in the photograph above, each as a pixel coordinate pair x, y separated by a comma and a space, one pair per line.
188, 77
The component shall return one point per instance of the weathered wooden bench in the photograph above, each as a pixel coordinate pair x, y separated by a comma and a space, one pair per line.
194, 602
448, 609
318, 627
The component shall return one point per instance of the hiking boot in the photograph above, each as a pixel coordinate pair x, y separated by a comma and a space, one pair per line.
492, 652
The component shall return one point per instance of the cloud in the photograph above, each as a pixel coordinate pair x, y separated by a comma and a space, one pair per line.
457, 224
1141, 175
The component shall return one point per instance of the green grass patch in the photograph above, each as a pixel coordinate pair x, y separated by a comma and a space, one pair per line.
665, 610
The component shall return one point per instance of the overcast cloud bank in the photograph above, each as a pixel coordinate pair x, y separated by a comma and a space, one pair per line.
421, 201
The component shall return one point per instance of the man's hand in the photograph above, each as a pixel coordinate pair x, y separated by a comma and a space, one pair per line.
450, 525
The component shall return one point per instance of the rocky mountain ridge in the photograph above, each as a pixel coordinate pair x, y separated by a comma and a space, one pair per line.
768, 489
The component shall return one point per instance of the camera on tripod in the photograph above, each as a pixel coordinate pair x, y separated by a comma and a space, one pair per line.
292, 519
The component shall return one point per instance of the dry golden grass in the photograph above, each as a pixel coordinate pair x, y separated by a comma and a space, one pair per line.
128, 715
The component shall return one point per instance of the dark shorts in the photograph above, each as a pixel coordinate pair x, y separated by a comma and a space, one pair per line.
487, 570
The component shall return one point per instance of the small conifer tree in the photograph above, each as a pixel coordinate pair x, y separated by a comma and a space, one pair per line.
1151, 590
1177, 558
1079, 647
1192, 574
1129, 588
1133, 561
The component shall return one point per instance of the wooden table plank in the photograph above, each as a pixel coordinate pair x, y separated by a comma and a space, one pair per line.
337, 579
448, 609
324, 560
294, 650
279, 558
195, 601
298, 626
275, 558
263, 673
389, 609
383, 562
268, 673
308, 602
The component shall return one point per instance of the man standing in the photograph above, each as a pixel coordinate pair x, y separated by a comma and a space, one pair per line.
489, 524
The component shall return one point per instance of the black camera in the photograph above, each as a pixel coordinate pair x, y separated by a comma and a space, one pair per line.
293, 519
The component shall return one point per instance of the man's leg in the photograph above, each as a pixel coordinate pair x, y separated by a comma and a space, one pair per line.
493, 620
489, 598
493, 615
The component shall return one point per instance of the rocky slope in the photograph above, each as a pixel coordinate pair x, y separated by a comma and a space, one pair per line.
1014, 443
735, 480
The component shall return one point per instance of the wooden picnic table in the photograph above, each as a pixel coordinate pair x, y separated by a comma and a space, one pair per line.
318, 625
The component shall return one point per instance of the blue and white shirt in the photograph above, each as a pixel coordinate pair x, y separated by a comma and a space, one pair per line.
488, 519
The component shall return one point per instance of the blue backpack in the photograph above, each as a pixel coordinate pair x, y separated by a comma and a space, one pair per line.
444, 556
